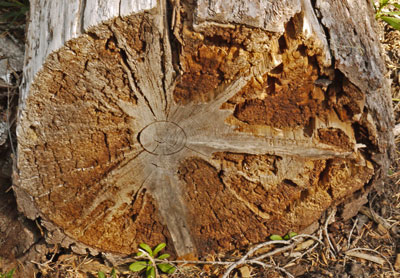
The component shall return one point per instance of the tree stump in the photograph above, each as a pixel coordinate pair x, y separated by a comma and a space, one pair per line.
208, 125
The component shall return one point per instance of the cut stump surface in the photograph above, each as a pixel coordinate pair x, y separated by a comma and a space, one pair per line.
210, 138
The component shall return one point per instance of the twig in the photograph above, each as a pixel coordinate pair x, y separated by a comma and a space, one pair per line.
249, 253
194, 262
368, 257
277, 251
282, 249
5, 85
334, 244
308, 251
254, 261
290, 245
153, 262
373, 251
374, 216
327, 235
308, 236
55, 251
264, 265
351, 233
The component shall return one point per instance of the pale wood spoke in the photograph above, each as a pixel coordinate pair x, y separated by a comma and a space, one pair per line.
186, 114
148, 73
165, 188
122, 183
216, 137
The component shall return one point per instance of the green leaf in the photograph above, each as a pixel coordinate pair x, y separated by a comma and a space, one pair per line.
18, 3
286, 237
8, 5
394, 22
150, 272
383, 3
276, 237
139, 254
13, 4
101, 274
113, 273
158, 248
396, 5
147, 248
164, 256
292, 234
166, 268
392, 13
137, 266
10, 273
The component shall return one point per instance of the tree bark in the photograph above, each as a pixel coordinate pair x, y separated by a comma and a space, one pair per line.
208, 125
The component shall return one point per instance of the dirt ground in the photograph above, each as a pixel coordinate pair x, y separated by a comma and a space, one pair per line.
368, 245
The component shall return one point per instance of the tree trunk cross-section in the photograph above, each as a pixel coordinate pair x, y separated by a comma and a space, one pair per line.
208, 125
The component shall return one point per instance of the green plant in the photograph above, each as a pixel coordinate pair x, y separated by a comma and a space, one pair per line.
14, 10
153, 261
290, 235
101, 274
8, 274
286, 237
390, 17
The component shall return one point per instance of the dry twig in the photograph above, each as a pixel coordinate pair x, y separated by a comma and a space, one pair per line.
351, 233
374, 216
153, 262
365, 256
353, 251
331, 249
290, 244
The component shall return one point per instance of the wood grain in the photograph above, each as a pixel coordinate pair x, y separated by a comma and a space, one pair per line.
210, 137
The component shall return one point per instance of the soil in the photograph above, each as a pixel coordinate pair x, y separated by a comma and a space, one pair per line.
367, 245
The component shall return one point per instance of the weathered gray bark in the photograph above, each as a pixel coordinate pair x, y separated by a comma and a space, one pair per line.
207, 124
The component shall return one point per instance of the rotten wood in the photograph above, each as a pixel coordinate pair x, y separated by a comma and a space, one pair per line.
207, 125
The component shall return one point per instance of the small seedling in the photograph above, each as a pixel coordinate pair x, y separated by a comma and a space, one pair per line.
8, 274
275, 237
151, 264
286, 237
290, 235
390, 17
101, 274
